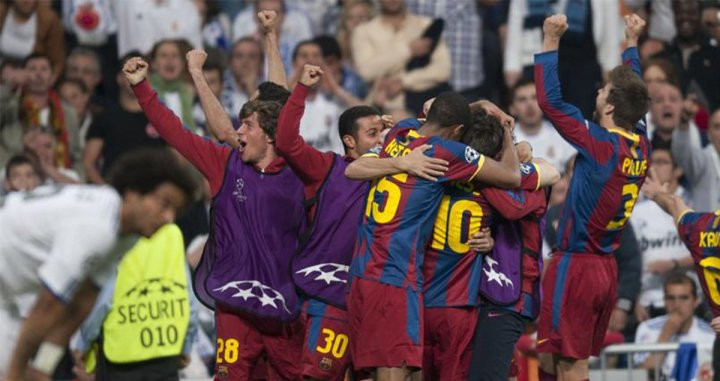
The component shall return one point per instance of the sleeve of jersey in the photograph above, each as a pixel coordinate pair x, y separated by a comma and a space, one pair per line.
464, 162
529, 176
309, 163
515, 204
567, 119
631, 58
686, 225
78, 247
208, 157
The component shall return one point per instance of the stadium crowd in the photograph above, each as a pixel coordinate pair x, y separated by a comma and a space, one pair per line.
92, 88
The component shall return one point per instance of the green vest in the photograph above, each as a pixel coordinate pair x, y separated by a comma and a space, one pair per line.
150, 309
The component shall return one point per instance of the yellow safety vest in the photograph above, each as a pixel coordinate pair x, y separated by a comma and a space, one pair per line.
150, 309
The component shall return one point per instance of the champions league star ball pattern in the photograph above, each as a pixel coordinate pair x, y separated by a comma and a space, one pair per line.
155, 285
494, 276
248, 289
327, 272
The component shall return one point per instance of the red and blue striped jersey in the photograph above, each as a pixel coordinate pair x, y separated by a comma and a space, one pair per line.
400, 209
451, 270
609, 170
701, 234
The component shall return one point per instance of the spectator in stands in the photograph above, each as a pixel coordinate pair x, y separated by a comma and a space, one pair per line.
120, 128
711, 21
700, 165
338, 73
592, 42
84, 64
463, 35
167, 59
533, 128
31, 26
666, 109
318, 13
36, 104
661, 249
628, 261
383, 47
143, 23
678, 325
659, 70
693, 56
244, 74
75, 93
294, 26
40, 144
21, 174
215, 25
354, 13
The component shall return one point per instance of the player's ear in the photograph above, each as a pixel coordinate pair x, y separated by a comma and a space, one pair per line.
458, 130
609, 109
349, 141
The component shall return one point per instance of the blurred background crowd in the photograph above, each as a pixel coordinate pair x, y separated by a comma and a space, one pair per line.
66, 112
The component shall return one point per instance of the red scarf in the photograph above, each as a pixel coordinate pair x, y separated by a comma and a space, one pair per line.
30, 117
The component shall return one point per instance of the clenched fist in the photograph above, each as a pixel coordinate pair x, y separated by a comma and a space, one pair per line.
268, 20
634, 26
555, 26
311, 75
135, 70
196, 59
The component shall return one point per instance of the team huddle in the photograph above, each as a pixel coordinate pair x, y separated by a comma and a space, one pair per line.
417, 253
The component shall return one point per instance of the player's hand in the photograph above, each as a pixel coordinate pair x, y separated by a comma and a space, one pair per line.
634, 26
618, 320
268, 21
652, 186
524, 151
387, 121
482, 241
490, 108
310, 75
79, 368
418, 164
555, 26
196, 59
715, 324
135, 70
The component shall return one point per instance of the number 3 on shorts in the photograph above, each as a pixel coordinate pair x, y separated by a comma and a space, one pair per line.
227, 351
335, 343
711, 272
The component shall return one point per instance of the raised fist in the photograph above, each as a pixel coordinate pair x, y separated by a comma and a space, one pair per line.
634, 26
135, 70
555, 26
268, 20
310, 75
196, 59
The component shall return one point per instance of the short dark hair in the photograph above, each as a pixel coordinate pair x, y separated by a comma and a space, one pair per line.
485, 134
449, 109
144, 169
522, 82
347, 125
18, 160
629, 95
329, 46
300, 44
72, 81
267, 114
36, 56
271, 91
677, 277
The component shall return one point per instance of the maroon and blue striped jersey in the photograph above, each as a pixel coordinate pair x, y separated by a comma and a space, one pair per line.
701, 234
609, 170
451, 270
400, 209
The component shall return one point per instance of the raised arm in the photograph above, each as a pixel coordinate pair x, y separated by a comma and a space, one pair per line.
218, 121
208, 157
658, 192
688, 152
416, 163
276, 70
566, 118
309, 163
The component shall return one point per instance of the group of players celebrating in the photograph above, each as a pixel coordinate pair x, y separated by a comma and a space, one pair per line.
416, 254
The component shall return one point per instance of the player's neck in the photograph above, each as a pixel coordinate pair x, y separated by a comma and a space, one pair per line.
607, 122
269, 157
